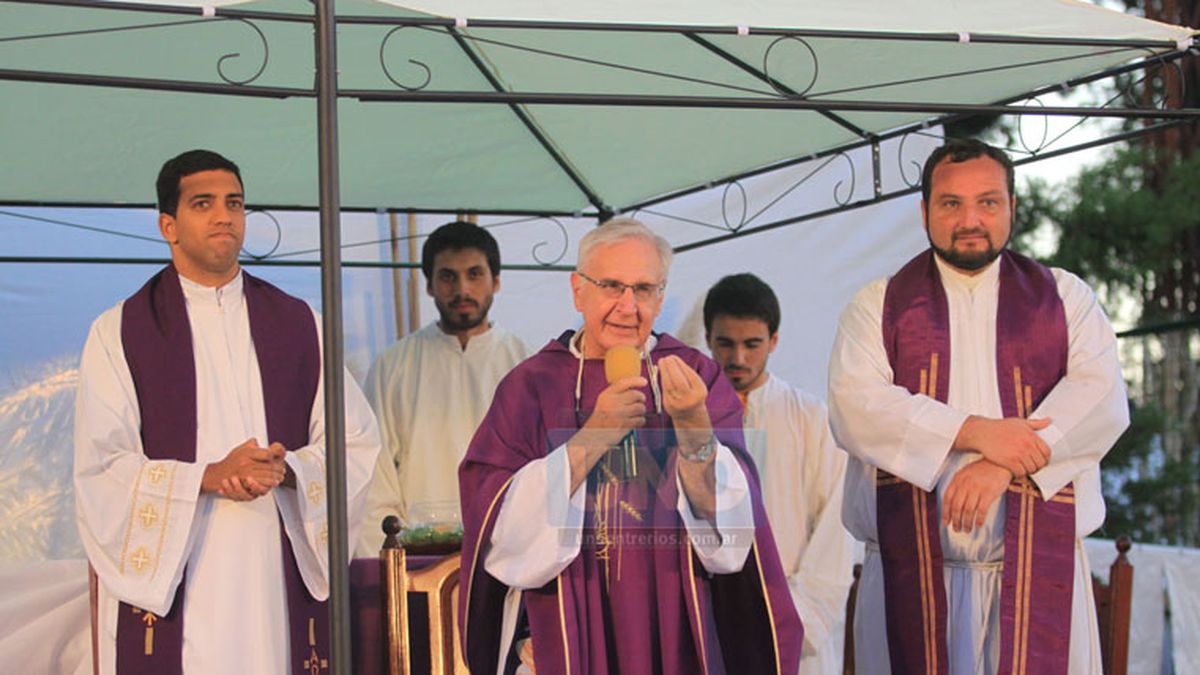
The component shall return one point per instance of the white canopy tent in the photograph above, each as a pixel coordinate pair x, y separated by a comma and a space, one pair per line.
571, 108
563, 107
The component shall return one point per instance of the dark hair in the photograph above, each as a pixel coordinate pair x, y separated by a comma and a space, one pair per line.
457, 236
743, 296
961, 150
179, 167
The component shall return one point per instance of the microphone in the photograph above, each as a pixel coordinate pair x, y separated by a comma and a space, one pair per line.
621, 362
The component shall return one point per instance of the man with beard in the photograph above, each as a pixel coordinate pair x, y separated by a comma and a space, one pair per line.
431, 389
976, 392
802, 470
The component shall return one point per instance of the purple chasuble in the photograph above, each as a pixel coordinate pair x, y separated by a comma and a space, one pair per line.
636, 599
157, 342
1031, 357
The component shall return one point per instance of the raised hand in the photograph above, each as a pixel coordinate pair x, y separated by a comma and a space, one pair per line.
1012, 442
685, 399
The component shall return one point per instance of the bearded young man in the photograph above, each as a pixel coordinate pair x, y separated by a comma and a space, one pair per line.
619, 524
200, 454
976, 392
431, 388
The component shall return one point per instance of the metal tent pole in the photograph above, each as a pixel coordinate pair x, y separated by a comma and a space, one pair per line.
331, 304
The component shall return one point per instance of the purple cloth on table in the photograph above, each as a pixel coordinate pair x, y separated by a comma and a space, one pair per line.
635, 599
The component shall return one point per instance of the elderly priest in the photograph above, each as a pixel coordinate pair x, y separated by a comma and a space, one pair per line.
611, 513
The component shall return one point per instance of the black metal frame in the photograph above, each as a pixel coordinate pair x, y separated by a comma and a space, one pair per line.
326, 93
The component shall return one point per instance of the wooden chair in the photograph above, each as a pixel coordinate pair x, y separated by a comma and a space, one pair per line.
848, 649
94, 606
439, 583
1114, 602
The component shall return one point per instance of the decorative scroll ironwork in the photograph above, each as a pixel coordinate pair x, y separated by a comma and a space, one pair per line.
919, 166
566, 243
278, 235
1126, 86
853, 174
476, 39
1041, 144
741, 192
266, 57
387, 71
734, 195
774, 81
1125, 92
535, 251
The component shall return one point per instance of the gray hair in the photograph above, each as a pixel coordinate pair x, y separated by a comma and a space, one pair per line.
615, 229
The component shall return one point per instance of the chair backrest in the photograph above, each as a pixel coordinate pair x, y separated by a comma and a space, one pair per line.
439, 583
1114, 602
94, 603
848, 650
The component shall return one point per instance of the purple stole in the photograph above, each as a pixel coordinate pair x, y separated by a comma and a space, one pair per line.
635, 599
157, 341
1039, 535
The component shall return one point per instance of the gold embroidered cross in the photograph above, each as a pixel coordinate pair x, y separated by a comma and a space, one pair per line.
315, 490
148, 515
324, 533
148, 618
314, 664
140, 559
156, 474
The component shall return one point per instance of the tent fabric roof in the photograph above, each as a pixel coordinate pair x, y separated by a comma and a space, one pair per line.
104, 144
1059, 18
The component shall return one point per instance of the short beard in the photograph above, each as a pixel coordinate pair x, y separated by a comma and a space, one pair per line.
969, 262
456, 322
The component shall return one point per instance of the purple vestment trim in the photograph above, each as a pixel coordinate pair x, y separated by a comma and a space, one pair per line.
1031, 357
643, 609
1039, 534
157, 342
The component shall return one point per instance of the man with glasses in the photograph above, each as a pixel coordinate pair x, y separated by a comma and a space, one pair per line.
614, 560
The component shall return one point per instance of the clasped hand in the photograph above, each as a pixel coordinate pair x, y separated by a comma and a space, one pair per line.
248, 472
1012, 442
621, 407
971, 492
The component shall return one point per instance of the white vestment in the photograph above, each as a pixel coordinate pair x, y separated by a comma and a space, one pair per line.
429, 395
802, 471
143, 522
883, 425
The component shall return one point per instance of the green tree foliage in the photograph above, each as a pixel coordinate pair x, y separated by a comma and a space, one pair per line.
1116, 228
1130, 226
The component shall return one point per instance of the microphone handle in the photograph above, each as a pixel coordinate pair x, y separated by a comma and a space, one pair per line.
629, 456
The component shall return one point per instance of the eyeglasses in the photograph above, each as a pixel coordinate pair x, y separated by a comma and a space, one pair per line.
611, 288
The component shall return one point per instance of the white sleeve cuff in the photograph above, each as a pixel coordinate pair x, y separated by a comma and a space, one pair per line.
539, 527
723, 550
927, 443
